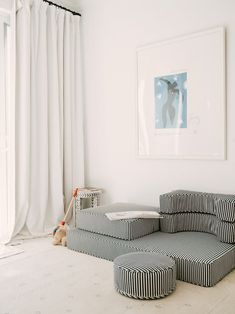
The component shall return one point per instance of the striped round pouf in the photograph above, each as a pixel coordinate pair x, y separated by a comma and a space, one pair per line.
143, 275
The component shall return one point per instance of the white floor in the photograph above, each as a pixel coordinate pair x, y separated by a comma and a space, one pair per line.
54, 280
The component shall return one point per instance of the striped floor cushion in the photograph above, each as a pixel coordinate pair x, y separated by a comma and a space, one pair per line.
95, 220
200, 258
197, 211
144, 275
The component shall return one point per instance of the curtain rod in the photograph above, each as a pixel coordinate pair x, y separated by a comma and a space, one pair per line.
59, 6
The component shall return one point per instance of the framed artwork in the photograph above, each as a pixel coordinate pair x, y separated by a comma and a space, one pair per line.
181, 97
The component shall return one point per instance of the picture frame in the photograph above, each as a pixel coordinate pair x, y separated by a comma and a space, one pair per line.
181, 104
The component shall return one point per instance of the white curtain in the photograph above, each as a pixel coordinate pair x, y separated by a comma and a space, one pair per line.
7, 124
49, 127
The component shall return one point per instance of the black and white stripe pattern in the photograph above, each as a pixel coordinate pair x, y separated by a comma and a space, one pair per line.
187, 201
225, 208
189, 222
196, 211
94, 220
144, 275
224, 231
200, 258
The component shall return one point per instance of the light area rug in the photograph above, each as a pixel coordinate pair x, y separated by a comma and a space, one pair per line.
7, 251
49, 279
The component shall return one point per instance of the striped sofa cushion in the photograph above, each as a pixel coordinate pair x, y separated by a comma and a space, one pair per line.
225, 207
197, 211
224, 231
181, 201
94, 220
200, 258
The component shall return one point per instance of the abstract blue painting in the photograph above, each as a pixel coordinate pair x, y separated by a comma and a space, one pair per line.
171, 101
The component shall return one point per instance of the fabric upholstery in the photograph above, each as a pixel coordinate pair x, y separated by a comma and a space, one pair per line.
197, 211
94, 220
200, 258
143, 275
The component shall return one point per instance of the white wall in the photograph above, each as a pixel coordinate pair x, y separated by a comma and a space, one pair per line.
70, 4
112, 30
6, 4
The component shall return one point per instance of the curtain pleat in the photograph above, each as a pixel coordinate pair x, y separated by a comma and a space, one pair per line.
22, 113
78, 155
55, 126
60, 53
67, 107
48, 111
39, 120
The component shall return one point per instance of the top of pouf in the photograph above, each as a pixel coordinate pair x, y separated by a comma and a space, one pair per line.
142, 261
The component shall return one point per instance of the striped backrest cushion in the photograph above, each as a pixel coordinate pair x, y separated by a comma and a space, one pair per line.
198, 211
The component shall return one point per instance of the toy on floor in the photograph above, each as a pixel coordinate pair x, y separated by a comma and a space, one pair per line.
59, 233
60, 236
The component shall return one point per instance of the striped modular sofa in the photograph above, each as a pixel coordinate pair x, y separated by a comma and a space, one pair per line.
197, 231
